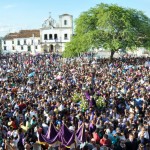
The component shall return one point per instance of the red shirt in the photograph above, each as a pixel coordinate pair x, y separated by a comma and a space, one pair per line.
13, 125
22, 106
96, 137
105, 142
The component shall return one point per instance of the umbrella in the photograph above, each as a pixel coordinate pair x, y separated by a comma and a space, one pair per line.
31, 74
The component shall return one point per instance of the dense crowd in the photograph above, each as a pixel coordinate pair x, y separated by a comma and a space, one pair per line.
37, 90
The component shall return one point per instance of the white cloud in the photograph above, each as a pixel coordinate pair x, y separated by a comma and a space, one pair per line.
9, 6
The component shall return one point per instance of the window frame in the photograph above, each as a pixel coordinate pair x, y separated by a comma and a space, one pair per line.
25, 42
50, 36
32, 42
65, 37
5, 48
65, 22
55, 37
18, 42
45, 37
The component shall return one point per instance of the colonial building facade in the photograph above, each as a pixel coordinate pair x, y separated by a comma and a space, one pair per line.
54, 35
24, 41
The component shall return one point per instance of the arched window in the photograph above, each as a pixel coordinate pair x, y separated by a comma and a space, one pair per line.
51, 48
45, 36
50, 36
55, 36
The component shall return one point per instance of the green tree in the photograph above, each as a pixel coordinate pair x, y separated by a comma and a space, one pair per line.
111, 27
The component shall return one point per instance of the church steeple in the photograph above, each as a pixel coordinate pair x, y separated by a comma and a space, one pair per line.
49, 23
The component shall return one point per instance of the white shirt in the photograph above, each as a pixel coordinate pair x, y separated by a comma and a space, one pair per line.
16, 106
61, 107
146, 135
15, 142
33, 113
45, 127
45, 114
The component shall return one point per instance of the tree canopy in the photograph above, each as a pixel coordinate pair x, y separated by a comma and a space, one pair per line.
111, 27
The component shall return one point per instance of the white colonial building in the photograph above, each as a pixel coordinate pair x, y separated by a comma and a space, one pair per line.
24, 41
50, 38
54, 35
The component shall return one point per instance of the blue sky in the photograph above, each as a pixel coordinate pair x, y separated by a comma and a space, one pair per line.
30, 14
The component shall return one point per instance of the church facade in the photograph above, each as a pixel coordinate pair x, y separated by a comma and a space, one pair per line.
54, 35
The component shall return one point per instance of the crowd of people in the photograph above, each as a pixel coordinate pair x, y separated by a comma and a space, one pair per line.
36, 90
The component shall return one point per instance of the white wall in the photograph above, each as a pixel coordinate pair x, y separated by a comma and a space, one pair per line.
8, 45
60, 34
17, 47
69, 20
